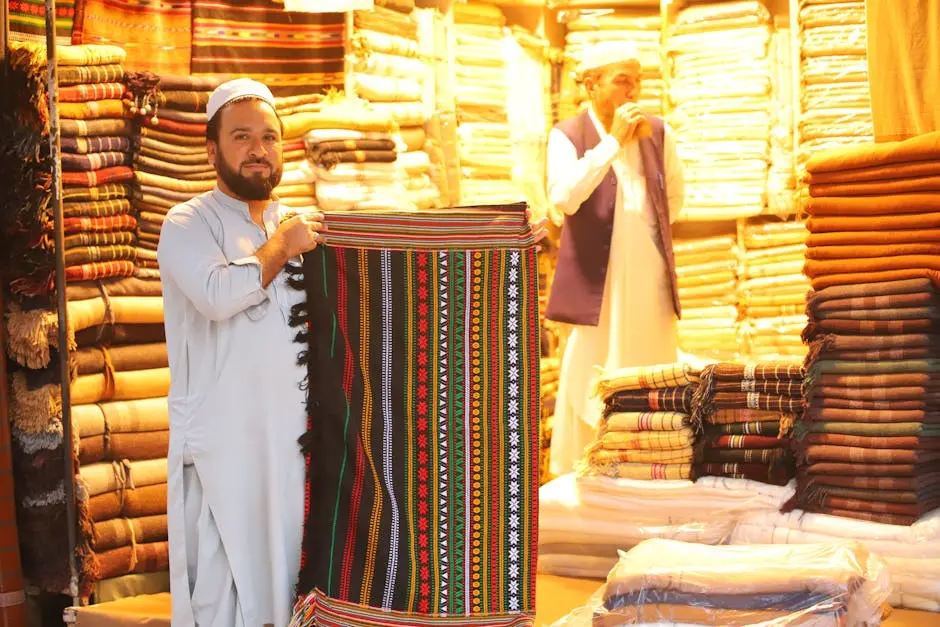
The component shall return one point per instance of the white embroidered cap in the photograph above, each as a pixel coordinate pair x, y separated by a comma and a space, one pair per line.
602, 53
234, 89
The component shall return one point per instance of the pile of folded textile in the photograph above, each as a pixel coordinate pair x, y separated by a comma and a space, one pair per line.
645, 430
874, 329
912, 554
748, 412
637, 27
480, 85
549, 370
171, 165
772, 291
95, 135
585, 520
681, 583
836, 101
395, 77
350, 152
721, 94
781, 177
706, 269
297, 187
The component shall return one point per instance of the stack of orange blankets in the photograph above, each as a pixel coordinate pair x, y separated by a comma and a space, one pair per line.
871, 443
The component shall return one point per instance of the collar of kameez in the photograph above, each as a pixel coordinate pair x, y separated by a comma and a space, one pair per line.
240, 205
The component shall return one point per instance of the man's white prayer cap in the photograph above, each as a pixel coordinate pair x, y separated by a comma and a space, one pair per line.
235, 89
604, 53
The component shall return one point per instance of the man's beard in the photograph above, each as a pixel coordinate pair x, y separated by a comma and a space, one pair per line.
254, 187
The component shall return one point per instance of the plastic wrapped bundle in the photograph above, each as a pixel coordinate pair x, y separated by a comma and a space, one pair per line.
640, 28
663, 581
836, 101
773, 289
721, 94
707, 274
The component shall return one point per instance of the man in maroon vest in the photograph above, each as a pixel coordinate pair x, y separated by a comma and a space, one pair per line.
615, 175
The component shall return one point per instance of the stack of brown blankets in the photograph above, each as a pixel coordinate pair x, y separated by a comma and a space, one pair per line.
748, 412
646, 429
95, 138
871, 447
170, 161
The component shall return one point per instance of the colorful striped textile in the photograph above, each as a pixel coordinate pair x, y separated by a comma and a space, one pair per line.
91, 92
157, 34
421, 343
292, 53
28, 21
646, 378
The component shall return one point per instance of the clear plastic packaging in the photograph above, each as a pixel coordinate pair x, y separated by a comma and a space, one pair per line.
669, 582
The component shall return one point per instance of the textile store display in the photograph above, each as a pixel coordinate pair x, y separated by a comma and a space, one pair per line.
646, 431
910, 553
748, 413
455, 422
722, 106
480, 90
835, 98
773, 289
707, 274
351, 155
27, 21
290, 52
639, 27
663, 581
584, 521
399, 78
871, 382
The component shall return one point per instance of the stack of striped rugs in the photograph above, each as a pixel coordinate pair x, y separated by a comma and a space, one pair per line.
836, 101
388, 71
171, 165
646, 430
773, 289
484, 134
95, 131
351, 155
748, 413
637, 27
707, 272
721, 94
871, 448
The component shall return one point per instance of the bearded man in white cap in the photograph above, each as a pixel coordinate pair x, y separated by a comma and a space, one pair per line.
615, 176
235, 471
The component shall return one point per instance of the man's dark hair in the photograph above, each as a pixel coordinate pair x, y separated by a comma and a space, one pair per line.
212, 126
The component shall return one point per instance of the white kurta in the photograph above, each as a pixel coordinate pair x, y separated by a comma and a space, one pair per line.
637, 325
235, 470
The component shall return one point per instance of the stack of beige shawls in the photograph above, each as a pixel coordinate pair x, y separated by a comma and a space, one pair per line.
679, 583
836, 100
480, 90
781, 178
707, 272
773, 289
390, 71
721, 93
638, 27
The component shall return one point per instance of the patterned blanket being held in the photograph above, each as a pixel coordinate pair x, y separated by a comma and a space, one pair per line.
421, 335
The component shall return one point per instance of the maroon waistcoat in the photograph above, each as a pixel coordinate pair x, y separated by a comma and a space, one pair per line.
581, 271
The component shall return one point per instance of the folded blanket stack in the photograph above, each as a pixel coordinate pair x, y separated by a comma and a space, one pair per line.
389, 70
680, 583
748, 412
706, 269
171, 165
96, 164
772, 291
638, 27
873, 369
351, 154
584, 521
645, 430
911, 554
123, 448
549, 370
836, 101
781, 177
480, 85
721, 93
